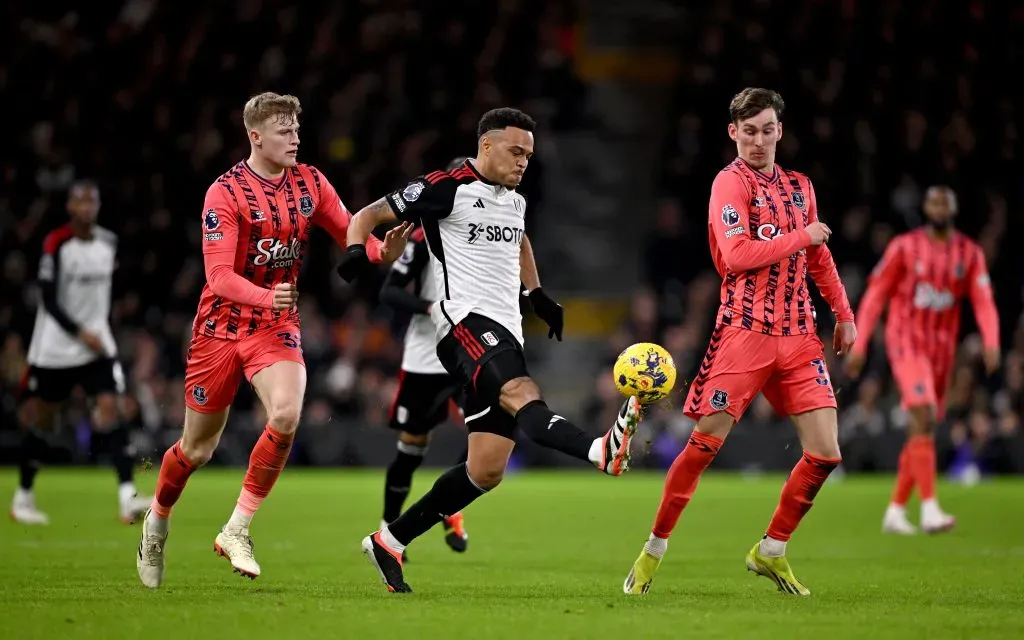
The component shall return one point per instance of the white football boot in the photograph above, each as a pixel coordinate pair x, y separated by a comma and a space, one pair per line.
236, 545
614, 446
150, 558
131, 506
934, 519
895, 521
24, 511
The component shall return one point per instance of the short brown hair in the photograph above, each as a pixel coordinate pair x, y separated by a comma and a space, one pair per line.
268, 105
752, 101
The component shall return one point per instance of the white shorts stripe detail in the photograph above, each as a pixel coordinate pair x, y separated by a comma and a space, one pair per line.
477, 415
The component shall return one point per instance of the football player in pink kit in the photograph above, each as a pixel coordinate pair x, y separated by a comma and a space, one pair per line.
924, 277
255, 222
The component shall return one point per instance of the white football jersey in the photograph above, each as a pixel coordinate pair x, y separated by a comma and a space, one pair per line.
474, 229
75, 276
419, 353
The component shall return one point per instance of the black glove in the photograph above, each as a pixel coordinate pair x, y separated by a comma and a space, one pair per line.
549, 311
353, 262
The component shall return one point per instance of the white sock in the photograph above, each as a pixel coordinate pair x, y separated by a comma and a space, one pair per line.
772, 548
22, 495
157, 524
596, 449
239, 519
930, 507
656, 546
390, 542
126, 491
898, 509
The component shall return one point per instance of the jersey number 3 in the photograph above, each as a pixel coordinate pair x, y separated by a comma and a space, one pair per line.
288, 339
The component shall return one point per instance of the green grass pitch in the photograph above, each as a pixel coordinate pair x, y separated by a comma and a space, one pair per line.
548, 553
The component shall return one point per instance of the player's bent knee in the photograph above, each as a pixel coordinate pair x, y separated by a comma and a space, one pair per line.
486, 476
922, 421
106, 414
198, 452
819, 432
30, 413
827, 451
488, 457
517, 393
284, 417
716, 424
201, 435
415, 440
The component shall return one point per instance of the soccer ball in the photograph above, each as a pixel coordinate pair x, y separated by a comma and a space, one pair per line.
645, 370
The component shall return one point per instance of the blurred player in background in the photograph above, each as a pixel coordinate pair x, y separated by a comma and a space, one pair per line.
425, 389
72, 345
474, 223
924, 276
255, 221
765, 236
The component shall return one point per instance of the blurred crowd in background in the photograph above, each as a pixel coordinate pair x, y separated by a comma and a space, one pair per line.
145, 97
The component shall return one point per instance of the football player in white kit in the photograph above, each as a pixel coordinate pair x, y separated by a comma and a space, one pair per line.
473, 220
72, 345
425, 389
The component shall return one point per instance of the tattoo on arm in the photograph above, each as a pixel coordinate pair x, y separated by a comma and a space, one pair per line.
380, 210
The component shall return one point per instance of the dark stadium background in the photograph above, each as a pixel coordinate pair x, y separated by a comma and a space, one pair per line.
883, 99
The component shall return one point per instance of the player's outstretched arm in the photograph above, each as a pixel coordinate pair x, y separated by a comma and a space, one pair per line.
985, 312
360, 228
728, 214
333, 217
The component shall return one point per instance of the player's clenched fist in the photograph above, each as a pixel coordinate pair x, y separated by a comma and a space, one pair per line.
819, 233
285, 296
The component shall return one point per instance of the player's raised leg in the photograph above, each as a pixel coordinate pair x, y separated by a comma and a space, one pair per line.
199, 439
281, 387
609, 453
501, 398
35, 417
499, 371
